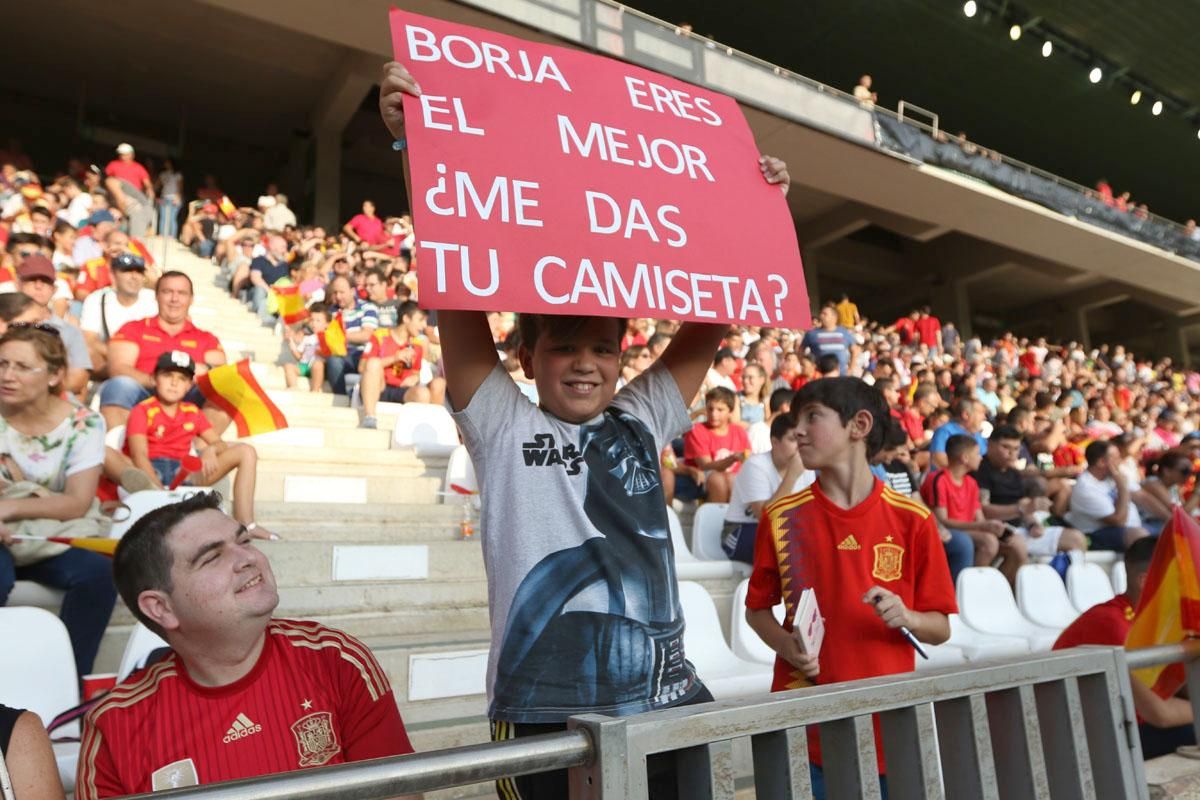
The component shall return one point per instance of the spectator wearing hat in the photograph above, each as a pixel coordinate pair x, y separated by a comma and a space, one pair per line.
131, 188
107, 310
36, 279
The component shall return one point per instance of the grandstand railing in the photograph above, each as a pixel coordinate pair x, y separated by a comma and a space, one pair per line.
1059, 725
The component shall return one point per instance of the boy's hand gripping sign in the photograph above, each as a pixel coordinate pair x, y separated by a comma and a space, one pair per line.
553, 181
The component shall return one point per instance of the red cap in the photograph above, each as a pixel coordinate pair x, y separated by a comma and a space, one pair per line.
36, 266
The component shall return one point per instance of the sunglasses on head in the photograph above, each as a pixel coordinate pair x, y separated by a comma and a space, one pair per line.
37, 326
128, 261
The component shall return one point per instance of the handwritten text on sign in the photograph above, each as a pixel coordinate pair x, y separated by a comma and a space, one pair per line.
550, 180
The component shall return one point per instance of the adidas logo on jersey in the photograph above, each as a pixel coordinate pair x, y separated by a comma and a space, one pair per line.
240, 729
849, 543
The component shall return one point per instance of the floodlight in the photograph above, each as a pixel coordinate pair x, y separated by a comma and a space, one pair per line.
1014, 32
1157, 108
1047, 49
1136, 97
1095, 75
970, 7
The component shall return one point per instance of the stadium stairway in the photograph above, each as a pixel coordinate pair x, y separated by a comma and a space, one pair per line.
366, 544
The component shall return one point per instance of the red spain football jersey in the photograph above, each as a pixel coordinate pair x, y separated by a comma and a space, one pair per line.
316, 697
805, 540
387, 346
153, 341
167, 436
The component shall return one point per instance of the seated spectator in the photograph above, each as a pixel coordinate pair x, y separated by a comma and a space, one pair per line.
279, 217
829, 338
53, 450
359, 321
717, 447
306, 695
1020, 502
762, 480
265, 271
134, 349
1163, 725
755, 397
391, 366
828, 366
199, 232
161, 431
721, 372
954, 497
36, 279
27, 755
1161, 491
298, 353
967, 416
375, 284
107, 310
779, 403
635, 360
893, 464
1100, 502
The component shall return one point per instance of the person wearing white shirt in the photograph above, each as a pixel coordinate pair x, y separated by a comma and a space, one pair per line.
279, 216
762, 480
1101, 504
105, 311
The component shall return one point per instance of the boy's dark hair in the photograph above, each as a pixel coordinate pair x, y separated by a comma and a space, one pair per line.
847, 397
319, 308
828, 363
143, 560
1004, 433
781, 425
407, 309
894, 434
556, 326
721, 394
17, 239
780, 398
1139, 555
959, 444
1096, 452
723, 354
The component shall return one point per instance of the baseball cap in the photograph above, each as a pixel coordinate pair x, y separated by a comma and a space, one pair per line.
103, 215
210, 208
36, 267
124, 148
129, 261
175, 361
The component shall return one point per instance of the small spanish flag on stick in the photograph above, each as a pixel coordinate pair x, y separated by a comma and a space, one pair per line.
234, 390
333, 338
1169, 608
290, 303
227, 207
95, 544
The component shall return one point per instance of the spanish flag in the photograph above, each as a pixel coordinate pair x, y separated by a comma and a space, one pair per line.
234, 390
333, 338
1169, 608
290, 303
95, 544
227, 207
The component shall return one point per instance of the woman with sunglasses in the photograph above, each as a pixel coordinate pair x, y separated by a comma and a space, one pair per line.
1161, 490
58, 445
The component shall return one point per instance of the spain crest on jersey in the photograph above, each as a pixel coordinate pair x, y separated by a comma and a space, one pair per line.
889, 561
316, 739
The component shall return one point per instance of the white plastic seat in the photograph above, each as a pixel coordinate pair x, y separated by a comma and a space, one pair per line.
940, 655
139, 504
28, 593
1042, 597
976, 646
723, 673
986, 604
142, 642
706, 532
37, 672
1120, 581
427, 428
690, 568
1088, 585
745, 643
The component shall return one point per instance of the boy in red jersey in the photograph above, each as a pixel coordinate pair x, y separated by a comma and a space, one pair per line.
242, 694
872, 556
160, 432
718, 446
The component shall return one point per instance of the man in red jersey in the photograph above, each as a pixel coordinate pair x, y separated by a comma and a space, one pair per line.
132, 190
242, 694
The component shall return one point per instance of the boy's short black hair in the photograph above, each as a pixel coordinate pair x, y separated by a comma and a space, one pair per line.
847, 397
557, 326
780, 398
407, 309
828, 363
894, 434
721, 394
1139, 555
1096, 452
1004, 433
959, 444
723, 354
782, 425
319, 308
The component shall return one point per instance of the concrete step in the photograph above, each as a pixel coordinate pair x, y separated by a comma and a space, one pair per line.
315, 436
333, 530
307, 563
337, 454
394, 513
341, 483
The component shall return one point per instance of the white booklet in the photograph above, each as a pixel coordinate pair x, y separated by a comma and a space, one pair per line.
808, 627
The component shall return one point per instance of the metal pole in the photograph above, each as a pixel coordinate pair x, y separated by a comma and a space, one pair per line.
1163, 654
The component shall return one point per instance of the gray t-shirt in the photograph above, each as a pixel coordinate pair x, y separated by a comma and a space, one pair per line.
72, 339
581, 575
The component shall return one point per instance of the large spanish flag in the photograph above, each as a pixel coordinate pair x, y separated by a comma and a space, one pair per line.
290, 303
333, 338
1169, 608
234, 390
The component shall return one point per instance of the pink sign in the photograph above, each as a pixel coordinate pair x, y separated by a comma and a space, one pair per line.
554, 181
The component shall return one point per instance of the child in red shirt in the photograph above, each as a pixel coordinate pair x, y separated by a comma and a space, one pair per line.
872, 556
160, 432
716, 446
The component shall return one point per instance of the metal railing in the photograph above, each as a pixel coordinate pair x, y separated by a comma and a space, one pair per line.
1059, 725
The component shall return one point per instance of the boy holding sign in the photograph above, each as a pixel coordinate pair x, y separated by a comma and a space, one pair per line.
582, 588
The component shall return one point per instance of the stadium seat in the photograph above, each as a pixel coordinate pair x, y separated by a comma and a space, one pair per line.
723, 673
690, 568
139, 504
986, 604
427, 428
976, 646
28, 593
39, 675
940, 655
746, 644
1042, 597
460, 472
1120, 580
706, 531
1087, 585
142, 642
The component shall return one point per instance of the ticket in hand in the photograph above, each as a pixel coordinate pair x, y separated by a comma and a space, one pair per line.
808, 626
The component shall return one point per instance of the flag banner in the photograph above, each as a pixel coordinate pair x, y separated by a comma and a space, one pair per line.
95, 544
1169, 608
551, 180
290, 303
333, 338
234, 390
227, 207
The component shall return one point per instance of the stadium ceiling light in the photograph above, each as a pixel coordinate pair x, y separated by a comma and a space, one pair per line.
1136, 97
970, 8
1014, 32
1095, 75
1198, 134
1047, 49
1157, 108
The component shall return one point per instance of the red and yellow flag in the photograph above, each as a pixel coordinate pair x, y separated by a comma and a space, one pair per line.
1169, 608
234, 390
290, 303
333, 338
227, 207
95, 544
